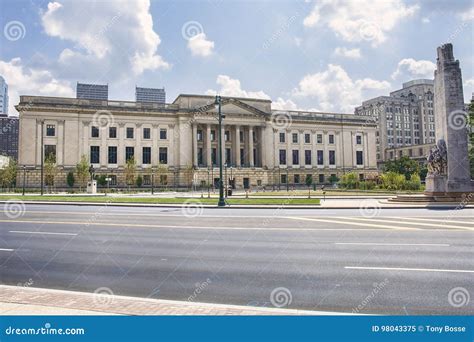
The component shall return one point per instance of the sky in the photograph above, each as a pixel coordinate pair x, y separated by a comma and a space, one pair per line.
303, 55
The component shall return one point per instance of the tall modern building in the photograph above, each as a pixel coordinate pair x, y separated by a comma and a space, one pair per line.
3, 96
404, 118
92, 91
155, 95
9, 127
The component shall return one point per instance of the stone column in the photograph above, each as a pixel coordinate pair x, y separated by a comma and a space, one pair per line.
208, 145
103, 147
121, 145
138, 145
263, 151
251, 160
85, 141
237, 146
223, 144
155, 135
60, 148
195, 158
38, 142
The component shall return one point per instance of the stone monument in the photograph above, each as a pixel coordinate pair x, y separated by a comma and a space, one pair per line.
448, 163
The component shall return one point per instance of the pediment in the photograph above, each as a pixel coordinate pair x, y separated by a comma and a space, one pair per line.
234, 106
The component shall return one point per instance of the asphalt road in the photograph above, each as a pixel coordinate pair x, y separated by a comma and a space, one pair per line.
400, 261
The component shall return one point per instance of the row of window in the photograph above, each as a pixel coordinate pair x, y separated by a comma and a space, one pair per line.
319, 138
227, 136
129, 153
295, 157
130, 132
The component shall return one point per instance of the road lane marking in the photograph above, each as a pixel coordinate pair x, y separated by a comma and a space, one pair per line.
407, 269
406, 222
351, 223
392, 244
42, 233
441, 219
180, 227
6, 250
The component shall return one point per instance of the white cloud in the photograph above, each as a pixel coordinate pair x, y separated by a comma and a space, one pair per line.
425, 20
298, 41
282, 104
30, 81
468, 15
110, 37
356, 21
409, 68
349, 53
231, 87
200, 46
335, 91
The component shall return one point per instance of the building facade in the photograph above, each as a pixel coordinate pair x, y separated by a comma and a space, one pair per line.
3, 96
155, 95
177, 143
9, 136
92, 91
405, 118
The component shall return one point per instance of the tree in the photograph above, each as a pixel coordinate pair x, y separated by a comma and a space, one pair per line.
101, 180
8, 174
50, 170
333, 179
139, 181
82, 170
404, 165
130, 171
350, 180
159, 172
309, 181
70, 179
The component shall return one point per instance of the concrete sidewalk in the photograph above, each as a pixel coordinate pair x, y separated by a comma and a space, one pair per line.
19, 300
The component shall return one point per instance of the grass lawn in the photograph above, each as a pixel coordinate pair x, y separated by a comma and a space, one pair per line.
332, 192
160, 200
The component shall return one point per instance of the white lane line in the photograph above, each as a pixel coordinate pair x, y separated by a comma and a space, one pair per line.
392, 244
41, 233
351, 223
439, 220
407, 269
404, 219
6, 250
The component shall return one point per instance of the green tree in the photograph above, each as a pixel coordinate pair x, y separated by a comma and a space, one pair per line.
403, 165
82, 170
70, 179
349, 180
139, 181
50, 170
333, 179
130, 171
8, 174
101, 180
309, 181
159, 172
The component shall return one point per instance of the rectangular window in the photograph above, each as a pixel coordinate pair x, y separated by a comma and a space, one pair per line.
50, 130
307, 157
282, 157
113, 132
129, 132
242, 156
283, 179
95, 158
226, 136
163, 134
295, 138
163, 155
331, 138
358, 139
307, 138
112, 157
241, 134
282, 137
227, 156
146, 180
146, 133
200, 156
359, 158
320, 154
146, 155
113, 179
50, 150
296, 157
213, 135
297, 179
332, 157
129, 152
319, 138
321, 179
214, 156
94, 132
199, 135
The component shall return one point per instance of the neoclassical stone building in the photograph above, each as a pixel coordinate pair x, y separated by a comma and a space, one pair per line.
177, 142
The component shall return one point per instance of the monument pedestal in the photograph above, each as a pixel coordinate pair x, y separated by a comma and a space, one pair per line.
435, 185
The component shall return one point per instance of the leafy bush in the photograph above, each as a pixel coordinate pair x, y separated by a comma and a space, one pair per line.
349, 181
392, 181
139, 181
70, 179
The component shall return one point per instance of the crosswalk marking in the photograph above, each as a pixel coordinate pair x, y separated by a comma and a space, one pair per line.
351, 223
405, 221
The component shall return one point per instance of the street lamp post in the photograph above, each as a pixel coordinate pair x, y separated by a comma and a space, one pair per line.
42, 157
221, 202
231, 178
226, 181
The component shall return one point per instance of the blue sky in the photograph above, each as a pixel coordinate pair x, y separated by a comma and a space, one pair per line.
313, 55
